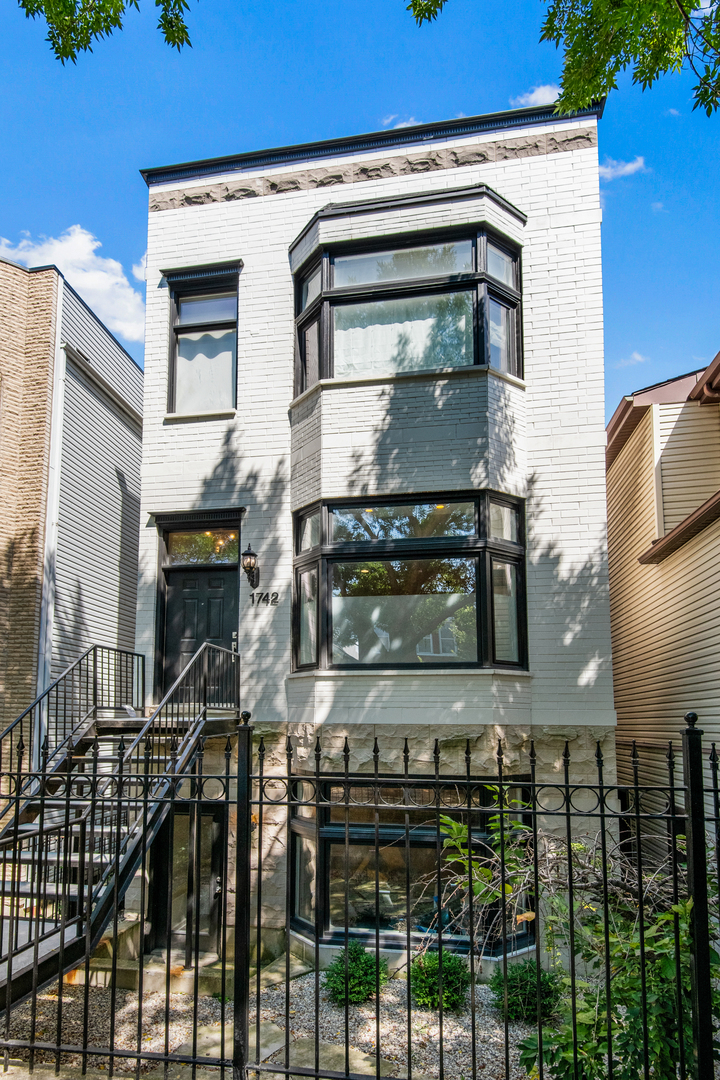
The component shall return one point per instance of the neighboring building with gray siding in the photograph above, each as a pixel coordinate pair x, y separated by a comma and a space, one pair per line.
71, 424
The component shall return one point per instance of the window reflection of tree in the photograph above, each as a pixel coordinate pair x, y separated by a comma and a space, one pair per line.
420, 522
436, 592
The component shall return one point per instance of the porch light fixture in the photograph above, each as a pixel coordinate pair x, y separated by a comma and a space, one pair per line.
249, 563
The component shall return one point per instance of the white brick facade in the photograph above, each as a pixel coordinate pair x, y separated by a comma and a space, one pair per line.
541, 438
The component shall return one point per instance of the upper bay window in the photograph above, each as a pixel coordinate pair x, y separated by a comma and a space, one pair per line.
410, 307
391, 584
203, 360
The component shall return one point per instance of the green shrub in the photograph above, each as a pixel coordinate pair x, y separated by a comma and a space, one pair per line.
522, 990
425, 980
362, 975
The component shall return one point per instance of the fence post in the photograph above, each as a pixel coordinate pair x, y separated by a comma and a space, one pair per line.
700, 982
241, 974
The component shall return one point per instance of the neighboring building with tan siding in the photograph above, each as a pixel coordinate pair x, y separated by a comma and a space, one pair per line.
70, 444
663, 492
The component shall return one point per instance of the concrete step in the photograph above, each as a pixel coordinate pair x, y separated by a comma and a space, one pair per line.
209, 1041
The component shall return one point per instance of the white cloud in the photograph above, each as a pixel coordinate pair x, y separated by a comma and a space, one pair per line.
139, 268
410, 122
101, 282
632, 359
672, 112
539, 95
611, 170
658, 207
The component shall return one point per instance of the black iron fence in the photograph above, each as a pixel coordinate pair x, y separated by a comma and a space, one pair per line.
313, 911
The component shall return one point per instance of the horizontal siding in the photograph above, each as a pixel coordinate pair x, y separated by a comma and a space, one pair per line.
665, 624
98, 524
690, 458
82, 330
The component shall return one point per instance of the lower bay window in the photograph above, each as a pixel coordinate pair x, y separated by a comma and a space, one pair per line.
382, 877
436, 581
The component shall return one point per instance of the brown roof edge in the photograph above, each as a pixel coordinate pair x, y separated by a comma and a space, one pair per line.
623, 422
692, 525
704, 391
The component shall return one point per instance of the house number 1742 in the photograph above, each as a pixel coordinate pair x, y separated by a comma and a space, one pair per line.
270, 598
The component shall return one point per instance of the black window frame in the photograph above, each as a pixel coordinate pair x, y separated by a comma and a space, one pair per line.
482, 547
478, 281
323, 833
187, 289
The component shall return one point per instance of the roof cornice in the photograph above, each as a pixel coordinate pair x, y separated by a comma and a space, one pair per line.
445, 129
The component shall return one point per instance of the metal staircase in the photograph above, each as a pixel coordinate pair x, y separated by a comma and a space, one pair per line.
83, 776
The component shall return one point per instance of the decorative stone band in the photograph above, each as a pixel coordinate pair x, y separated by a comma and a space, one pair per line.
355, 172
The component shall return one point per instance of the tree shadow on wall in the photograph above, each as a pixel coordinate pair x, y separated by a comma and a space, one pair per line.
20, 595
265, 633
444, 434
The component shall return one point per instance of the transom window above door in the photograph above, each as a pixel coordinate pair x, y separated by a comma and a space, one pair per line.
202, 547
437, 580
452, 302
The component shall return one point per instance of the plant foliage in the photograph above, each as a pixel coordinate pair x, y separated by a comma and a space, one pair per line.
601, 38
655, 972
73, 25
425, 980
364, 970
522, 990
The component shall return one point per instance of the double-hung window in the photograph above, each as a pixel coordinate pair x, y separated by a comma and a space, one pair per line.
203, 360
437, 581
447, 303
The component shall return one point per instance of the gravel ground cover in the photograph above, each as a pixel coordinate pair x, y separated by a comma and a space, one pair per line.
457, 1030
490, 1038
126, 1019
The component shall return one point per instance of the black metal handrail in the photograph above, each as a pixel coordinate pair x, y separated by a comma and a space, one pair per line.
102, 678
210, 682
95, 844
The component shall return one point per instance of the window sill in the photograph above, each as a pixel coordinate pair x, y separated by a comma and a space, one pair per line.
476, 370
184, 418
410, 673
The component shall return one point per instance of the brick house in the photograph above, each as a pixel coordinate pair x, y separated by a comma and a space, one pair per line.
377, 362
71, 423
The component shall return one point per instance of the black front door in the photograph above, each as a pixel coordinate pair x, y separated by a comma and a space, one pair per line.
202, 605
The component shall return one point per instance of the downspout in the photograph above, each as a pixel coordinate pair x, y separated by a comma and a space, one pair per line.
52, 506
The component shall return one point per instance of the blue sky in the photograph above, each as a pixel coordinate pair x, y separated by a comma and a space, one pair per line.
261, 75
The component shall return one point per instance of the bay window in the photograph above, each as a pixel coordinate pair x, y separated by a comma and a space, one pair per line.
436, 580
409, 307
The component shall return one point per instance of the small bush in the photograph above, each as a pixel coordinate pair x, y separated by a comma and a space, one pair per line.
362, 973
425, 980
522, 990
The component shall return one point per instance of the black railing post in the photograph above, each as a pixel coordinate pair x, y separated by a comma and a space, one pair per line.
241, 974
700, 981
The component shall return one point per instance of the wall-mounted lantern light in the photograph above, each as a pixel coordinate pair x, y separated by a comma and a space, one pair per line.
249, 563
